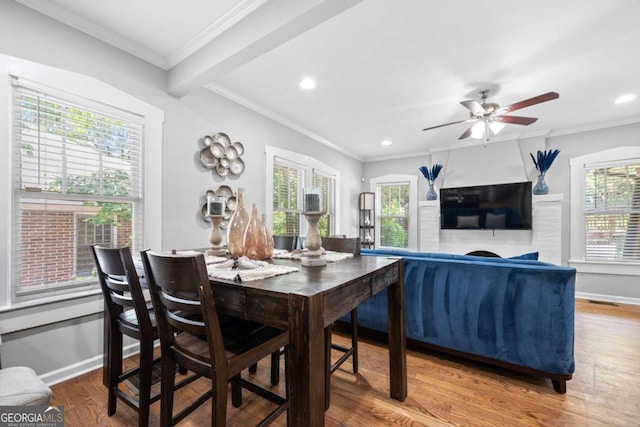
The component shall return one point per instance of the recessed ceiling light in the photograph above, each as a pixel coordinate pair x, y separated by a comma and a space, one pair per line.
625, 98
386, 142
307, 83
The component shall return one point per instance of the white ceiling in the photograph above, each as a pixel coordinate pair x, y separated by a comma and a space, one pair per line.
385, 69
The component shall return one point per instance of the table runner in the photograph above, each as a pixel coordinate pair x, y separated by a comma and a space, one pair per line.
329, 256
247, 270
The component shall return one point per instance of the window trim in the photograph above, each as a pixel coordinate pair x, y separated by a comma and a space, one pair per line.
310, 164
374, 184
98, 91
618, 155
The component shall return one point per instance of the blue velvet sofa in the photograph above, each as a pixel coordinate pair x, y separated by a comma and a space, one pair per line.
514, 313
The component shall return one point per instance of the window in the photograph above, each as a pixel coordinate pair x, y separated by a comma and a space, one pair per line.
612, 213
76, 181
288, 173
605, 211
394, 215
327, 185
397, 204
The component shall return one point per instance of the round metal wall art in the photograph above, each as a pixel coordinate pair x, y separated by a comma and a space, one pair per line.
222, 156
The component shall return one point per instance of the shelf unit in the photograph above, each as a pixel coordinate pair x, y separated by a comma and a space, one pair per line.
367, 218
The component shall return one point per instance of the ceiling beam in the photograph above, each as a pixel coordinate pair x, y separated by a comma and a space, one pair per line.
269, 26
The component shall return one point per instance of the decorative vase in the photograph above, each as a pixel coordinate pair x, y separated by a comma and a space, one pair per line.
254, 243
541, 186
237, 227
431, 193
268, 238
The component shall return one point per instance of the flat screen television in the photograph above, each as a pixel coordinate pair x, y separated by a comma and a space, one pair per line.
490, 207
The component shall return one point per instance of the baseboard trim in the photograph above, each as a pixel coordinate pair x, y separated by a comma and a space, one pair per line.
608, 298
82, 367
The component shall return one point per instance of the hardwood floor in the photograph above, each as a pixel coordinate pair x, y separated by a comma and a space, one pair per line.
443, 391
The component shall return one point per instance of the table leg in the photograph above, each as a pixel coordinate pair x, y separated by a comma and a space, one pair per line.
106, 347
397, 338
306, 361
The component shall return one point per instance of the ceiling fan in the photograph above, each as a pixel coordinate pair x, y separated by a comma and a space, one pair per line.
490, 118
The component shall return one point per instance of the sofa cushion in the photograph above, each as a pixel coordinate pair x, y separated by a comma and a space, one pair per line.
471, 221
530, 255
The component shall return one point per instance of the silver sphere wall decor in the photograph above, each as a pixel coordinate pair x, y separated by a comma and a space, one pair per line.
221, 155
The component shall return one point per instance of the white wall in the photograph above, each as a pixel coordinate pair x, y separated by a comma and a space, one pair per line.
27, 35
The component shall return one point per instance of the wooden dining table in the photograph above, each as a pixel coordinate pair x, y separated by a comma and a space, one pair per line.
307, 301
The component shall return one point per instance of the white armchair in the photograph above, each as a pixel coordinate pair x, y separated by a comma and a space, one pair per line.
21, 386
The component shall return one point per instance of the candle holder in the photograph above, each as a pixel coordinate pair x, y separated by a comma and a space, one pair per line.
312, 257
215, 237
215, 213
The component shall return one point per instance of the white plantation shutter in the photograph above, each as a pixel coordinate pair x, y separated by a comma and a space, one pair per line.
288, 180
77, 180
326, 182
289, 174
612, 213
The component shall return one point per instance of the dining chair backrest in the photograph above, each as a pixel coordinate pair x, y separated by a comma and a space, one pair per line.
484, 254
288, 243
121, 287
175, 283
338, 244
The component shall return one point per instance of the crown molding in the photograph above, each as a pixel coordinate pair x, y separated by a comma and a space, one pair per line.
222, 91
216, 28
213, 30
81, 24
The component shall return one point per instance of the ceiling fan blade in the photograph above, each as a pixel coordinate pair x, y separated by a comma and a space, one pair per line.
516, 120
467, 133
447, 124
473, 106
531, 101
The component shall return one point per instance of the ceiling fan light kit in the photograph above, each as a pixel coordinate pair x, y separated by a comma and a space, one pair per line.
490, 118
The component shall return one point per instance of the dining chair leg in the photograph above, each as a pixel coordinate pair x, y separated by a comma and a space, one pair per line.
327, 355
145, 377
114, 368
253, 368
287, 380
219, 402
354, 339
236, 391
275, 367
167, 389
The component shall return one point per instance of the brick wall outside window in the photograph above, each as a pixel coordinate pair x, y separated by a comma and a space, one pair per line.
49, 246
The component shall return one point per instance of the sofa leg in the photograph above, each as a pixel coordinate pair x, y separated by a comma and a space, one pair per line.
560, 386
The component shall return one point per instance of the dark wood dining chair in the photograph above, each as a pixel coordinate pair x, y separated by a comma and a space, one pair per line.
484, 253
126, 313
192, 335
348, 245
288, 243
